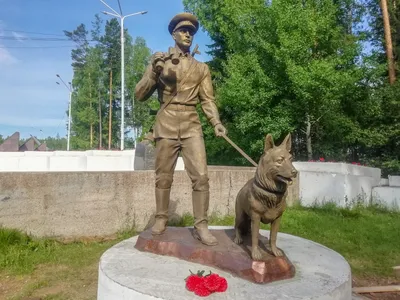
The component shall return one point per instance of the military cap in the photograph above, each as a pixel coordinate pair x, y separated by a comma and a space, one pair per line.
183, 20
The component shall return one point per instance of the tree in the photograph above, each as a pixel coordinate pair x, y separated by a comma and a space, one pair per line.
85, 101
96, 33
288, 66
138, 60
376, 16
55, 143
96, 101
383, 152
388, 39
112, 60
79, 36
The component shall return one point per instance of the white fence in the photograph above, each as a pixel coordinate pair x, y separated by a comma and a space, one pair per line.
73, 161
346, 184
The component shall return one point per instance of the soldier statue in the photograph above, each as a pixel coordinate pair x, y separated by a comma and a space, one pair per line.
181, 82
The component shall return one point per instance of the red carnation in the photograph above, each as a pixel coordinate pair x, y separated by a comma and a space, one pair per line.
212, 282
201, 290
193, 281
205, 285
223, 285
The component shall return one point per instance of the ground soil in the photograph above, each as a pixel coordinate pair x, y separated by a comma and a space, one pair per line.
367, 282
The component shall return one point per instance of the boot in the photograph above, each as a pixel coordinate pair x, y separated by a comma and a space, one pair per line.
200, 208
162, 203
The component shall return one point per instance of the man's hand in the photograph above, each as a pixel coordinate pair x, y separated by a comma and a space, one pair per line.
154, 60
220, 130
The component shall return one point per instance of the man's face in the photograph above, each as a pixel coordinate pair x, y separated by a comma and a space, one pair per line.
183, 37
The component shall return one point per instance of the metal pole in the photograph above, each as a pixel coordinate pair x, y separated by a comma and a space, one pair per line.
115, 14
122, 84
69, 119
69, 108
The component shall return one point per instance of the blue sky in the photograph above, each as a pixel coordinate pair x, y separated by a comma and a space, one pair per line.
30, 100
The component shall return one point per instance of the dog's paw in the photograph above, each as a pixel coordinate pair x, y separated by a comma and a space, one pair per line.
238, 240
256, 254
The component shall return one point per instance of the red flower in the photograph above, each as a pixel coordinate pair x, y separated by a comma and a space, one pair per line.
223, 285
321, 159
205, 285
213, 282
193, 281
201, 290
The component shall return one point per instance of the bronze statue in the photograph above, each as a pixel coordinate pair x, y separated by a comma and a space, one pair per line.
181, 82
263, 198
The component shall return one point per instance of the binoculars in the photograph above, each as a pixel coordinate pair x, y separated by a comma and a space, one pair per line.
160, 61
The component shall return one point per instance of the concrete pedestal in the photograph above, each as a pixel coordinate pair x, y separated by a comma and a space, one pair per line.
126, 273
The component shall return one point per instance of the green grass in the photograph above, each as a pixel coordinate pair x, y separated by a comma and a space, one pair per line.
369, 238
21, 254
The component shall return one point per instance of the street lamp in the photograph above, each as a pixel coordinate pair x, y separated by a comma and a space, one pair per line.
69, 108
121, 17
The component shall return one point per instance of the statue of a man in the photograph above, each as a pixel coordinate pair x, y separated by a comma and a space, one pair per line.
181, 82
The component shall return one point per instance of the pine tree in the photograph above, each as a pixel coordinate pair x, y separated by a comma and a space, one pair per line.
140, 119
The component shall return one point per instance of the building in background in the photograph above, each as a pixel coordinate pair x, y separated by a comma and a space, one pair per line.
12, 144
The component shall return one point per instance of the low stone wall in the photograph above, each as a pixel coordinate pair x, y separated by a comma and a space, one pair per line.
72, 204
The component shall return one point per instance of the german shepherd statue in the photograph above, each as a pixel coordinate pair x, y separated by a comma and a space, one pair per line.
263, 198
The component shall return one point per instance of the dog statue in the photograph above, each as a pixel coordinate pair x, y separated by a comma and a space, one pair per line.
263, 198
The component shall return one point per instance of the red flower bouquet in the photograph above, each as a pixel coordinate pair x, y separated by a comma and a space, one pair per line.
205, 285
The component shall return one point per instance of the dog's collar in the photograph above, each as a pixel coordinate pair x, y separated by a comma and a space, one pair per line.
268, 190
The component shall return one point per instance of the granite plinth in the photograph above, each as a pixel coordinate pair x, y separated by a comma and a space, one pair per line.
228, 256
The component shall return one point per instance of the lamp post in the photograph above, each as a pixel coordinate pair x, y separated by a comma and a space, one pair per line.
122, 18
69, 108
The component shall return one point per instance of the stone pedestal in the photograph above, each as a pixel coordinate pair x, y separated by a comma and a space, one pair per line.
179, 242
128, 273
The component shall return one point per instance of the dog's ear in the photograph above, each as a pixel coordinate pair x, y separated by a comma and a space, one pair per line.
287, 142
269, 142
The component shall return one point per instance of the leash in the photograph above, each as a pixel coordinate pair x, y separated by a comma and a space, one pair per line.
240, 150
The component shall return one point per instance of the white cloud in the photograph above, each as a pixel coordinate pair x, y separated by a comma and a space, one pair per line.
18, 36
6, 58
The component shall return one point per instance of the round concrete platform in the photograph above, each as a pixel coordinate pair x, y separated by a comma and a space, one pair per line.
126, 273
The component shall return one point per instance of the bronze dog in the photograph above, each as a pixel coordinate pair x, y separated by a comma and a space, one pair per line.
263, 198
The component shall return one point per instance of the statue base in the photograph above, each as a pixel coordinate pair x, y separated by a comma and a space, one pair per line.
126, 273
227, 256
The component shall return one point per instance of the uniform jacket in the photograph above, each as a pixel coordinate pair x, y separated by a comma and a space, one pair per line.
180, 118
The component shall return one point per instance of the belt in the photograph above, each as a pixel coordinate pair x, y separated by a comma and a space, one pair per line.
180, 107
